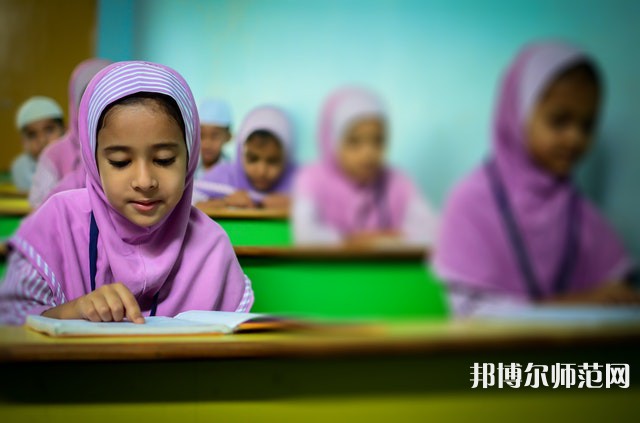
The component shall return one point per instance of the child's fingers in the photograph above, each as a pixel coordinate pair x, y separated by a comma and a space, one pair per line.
115, 305
102, 308
88, 310
131, 306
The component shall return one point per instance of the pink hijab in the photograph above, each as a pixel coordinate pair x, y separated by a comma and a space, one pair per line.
343, 205
64, 154
226, 178
474, 247
186, 258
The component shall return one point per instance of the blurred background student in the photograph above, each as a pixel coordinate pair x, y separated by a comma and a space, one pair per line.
215, 132
517, 230
351, 196
62, 158
40, 121
261, 174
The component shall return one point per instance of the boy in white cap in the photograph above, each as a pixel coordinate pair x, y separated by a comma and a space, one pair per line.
215, 132
40, 121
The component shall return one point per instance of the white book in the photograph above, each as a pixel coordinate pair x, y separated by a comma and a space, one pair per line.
187, 323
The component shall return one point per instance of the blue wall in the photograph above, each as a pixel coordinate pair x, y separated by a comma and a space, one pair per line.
436, 62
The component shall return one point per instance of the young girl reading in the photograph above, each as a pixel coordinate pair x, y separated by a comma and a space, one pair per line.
263, 168
129, 244
517, 231
351, 196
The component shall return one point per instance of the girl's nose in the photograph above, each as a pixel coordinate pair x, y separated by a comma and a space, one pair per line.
144, 179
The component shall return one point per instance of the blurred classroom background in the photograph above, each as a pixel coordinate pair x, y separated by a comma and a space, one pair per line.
436, 62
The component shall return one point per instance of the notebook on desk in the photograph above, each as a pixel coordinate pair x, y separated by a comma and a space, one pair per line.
187, 323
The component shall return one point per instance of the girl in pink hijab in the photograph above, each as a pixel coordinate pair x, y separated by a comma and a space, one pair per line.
62, 157
350, 195
517, 231
262, 171
129, 244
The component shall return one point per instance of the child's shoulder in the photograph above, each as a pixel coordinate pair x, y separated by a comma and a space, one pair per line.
309, 175
74, 199
200, 224
472, 188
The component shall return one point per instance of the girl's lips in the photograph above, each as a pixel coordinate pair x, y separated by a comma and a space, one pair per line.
145, 206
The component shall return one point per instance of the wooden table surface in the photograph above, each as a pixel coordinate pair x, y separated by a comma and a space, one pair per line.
225, 213
398, 253
14, 207
19, 344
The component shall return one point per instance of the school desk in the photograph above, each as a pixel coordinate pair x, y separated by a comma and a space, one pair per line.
12, 210
7, 189
254, 227
388, 373
14, 207
343, 282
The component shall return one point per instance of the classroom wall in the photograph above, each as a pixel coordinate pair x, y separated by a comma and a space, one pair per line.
41, 41
436, 62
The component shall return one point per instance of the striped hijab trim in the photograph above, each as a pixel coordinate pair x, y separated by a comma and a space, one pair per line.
43, 268
132, 78
247, 297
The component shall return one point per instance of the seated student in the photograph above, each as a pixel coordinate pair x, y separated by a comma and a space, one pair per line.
263, 168
215, 132
62, 157
516, 230
40, 121
351, 196
129, 244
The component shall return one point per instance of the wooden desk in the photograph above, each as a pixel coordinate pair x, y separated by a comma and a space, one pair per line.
390, 255
343, 283
402, 372
254, 227
7, 189
14, 207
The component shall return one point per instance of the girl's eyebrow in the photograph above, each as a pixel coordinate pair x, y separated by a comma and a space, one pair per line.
166, 145
116, 148
125, 148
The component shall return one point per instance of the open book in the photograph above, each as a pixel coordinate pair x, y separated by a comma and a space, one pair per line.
187, 323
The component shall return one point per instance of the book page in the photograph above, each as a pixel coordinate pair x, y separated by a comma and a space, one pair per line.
152, 326
225, 318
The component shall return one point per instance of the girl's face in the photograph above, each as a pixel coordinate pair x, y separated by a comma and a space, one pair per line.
361, 150
142, 160
561, 126
37, 135
263, 161
212, 138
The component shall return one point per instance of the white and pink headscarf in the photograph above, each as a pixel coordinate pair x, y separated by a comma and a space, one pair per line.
342, 204
186, 258
64, 154
227, 178
474, 247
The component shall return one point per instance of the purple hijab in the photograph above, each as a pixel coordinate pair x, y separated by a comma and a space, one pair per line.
64, 154
474, 247
342, 204
186, 258
227, 178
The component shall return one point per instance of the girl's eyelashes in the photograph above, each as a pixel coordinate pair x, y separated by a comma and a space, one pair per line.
165, 162
119, 164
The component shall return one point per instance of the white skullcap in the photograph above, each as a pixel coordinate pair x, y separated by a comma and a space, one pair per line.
215, 112
37, 108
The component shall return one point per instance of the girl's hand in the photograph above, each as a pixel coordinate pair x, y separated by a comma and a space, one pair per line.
217, 203
608, 294
109, 303
276, 201
374, 238
239, 199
